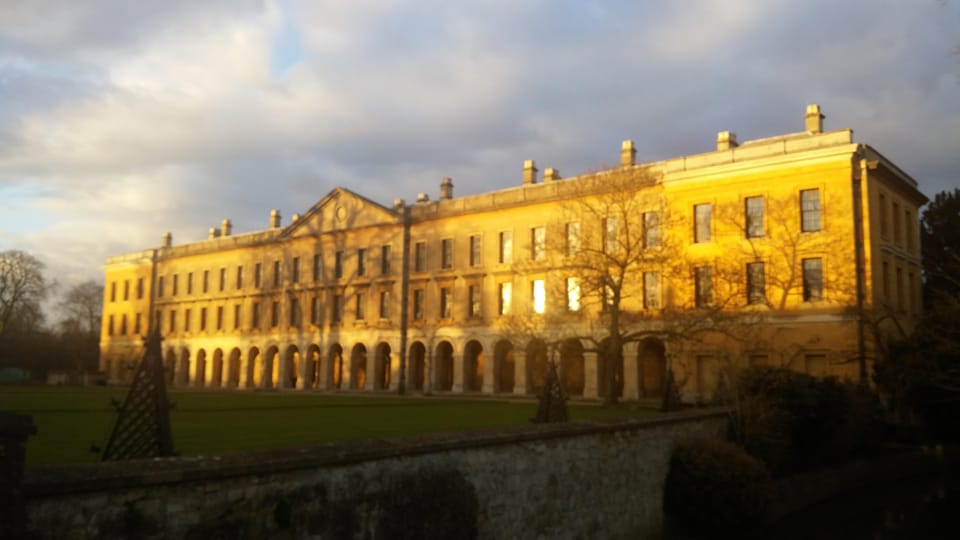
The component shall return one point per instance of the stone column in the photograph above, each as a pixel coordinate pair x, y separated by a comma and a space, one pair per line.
489, 373
458, 360
428, 371
591, 378
519, 372
631, 377
394, 368
370, 383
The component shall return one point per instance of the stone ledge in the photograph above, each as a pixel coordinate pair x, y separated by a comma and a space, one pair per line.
100, 477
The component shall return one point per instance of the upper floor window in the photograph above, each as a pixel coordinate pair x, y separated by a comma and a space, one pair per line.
361, 262
703, 285
475, 250
315, 310
294, 313
538, 296
257, 275
126, 290
384, 304
882, 211
651, 229
113, 291
236, 316
446, 301
572, 246
360, 308
139, 288
206, 280
446, 253
908, 229
275, 314
203, 319
573, 294
317, 266
219, 317
187, 317
338, 265
756, 283
418, 296
189, 282
473, 301
277, 276
609, 235
420, 257
701, 227
506, 292
506, 247
897, 229
160, 287
538, 241
753, 216
295, 270
385, 260
255, 315
336, 308
651, 290
812, 279
239, 277
176, 284
223, 279
810, 210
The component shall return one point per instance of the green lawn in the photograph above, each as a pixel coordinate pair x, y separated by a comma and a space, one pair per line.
70, 420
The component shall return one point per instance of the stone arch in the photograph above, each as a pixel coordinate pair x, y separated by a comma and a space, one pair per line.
169, 366
504, 366
183, 368
200, 369
216, 369
473, 366
572, 367
358, 367
233, 369
418, 357
605, 355
536, 365
651, 367
312, 374
254, 368
382, 366
270, 367
335, 359
291, 366
443, 370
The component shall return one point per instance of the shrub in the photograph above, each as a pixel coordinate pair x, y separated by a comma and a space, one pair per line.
714, 485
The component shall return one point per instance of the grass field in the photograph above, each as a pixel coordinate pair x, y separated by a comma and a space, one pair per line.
71, 419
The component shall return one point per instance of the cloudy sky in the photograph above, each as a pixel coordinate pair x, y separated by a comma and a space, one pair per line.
120, 120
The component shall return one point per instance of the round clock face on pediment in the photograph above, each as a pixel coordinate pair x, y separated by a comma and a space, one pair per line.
340, 213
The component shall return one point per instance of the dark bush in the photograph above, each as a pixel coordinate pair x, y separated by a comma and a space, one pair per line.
714, 485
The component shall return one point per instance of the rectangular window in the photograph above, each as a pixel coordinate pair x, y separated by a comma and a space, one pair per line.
651, 290
896, 224
885, 280
538, 296
385, 260
236, 316
274, 314
473, 301
295, 270
257, 275
882, 210
176, 284
360, 309
239, 277
160, 287
572, 246
219, 317
506, 248
223, 279
189, 282
908, 229
812, 280
911, 298
701, 226
136, 324
173, 321
418, 304
126, 290
187, 317
203, 319
294, 313
756, 283
206, 281
338, 265
573, 294
446, 253
361, 262
900, 303
446, 301
336, 308
753, 216
810, 210
506, 293
651, 230
123, 324
139, 288
317, 267
704, 285
110, 325
420, 257
255, 315
277, 276
384, 304
113, 291
475, 250
609, 235
315, 310
538, 243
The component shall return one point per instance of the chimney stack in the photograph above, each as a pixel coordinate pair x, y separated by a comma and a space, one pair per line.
213, 233
550, 174
226, 227
294, 218
274, 219
628, 153
726, 140
446, 188
423, 197
167, 240
529, 172
398, 204
814, 120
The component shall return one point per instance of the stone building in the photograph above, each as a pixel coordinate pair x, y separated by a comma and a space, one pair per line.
799, 250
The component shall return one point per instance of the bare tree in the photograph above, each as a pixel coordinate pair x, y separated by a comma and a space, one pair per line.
22, 289
82, 306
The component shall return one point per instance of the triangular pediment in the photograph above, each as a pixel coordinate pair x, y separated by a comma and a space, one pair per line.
341, 209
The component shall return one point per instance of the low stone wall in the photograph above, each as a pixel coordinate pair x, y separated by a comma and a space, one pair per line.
579, 480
